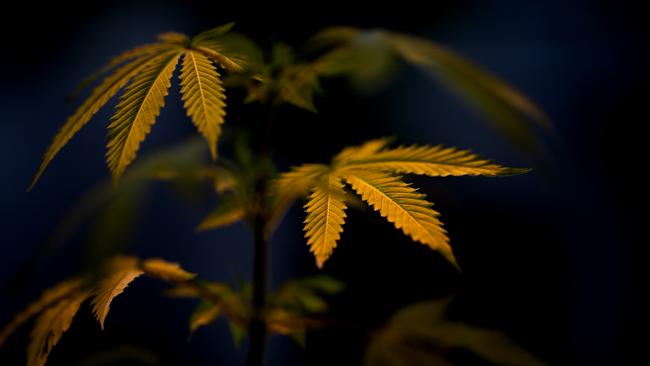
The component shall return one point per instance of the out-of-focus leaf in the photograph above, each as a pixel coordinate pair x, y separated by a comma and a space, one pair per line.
205, 313
420, 335
238, 333
292, 306
112, 213
159, 268
323, 283
49, 297
365, 51
50, 326
228, 212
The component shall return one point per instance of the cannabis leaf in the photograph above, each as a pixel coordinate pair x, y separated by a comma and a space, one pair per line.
503, 104
203, 96
325, 218
227, 213
138, 110
420, 335
147, 70
50, 326
49, 296
168, 271
374, 172
121, 272
57, 306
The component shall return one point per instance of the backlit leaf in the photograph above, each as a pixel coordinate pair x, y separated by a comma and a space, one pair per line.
203, 315
49, 297
434, 161
50, 326
160, 268
403, 206
228, 212
203, 97
137, 112
99, 97
325, 217
120, 272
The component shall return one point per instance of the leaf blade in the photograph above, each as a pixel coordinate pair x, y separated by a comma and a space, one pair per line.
169, 271
227, 213
137, 112
203, 97
47, 298
121, 271
50, 326
325, 217
403, 207
433, 161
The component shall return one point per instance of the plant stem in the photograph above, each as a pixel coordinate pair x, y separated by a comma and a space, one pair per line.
257, 327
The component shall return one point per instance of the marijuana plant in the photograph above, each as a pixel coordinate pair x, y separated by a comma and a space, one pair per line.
251, 190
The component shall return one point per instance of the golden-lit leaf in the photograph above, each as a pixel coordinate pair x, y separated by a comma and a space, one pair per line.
120, 272
433, 161
213, 50
165, 270
137, 111
227, 213
403, 206
49, 297
116, 61
99, 97
203, 315
203, 95
243, 51
325, 217
50, 326
364, 151
289, 186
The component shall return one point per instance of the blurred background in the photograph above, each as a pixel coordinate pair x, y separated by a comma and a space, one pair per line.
551, 258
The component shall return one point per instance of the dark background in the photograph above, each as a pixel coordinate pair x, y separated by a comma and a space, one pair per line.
553, 260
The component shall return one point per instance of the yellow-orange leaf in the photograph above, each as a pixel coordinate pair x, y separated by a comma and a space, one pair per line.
144, 50
205, 314
403, 206
204, 97
121, 271
165, 270
227, 213
49, 296
137, 111
435, 161
325, 218
99, 97
289, 186
50, 326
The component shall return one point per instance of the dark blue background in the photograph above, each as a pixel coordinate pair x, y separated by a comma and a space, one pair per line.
553, 260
